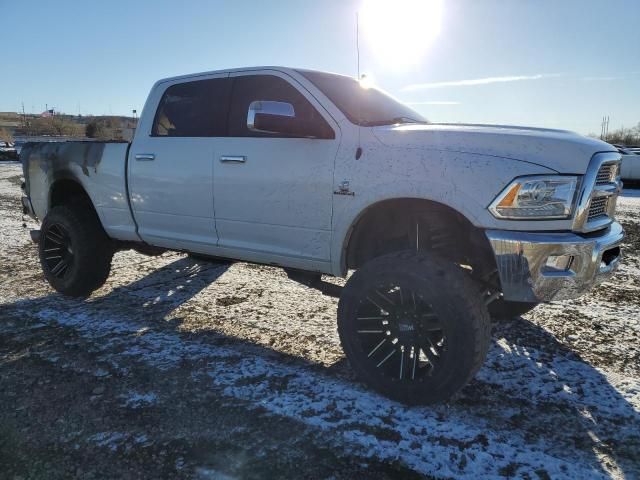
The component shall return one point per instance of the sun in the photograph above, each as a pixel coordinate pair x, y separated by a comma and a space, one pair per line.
399, 32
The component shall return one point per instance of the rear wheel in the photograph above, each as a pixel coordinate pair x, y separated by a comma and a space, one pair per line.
414, 328
75, 252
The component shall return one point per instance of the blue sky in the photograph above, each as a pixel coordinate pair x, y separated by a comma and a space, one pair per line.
559, 64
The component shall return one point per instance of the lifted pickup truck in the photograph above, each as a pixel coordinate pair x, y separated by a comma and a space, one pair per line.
310, 171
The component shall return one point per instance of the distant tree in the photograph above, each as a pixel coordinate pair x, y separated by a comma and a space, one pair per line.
625, 136
5, 135
91, 129
63, 125
99, 127
108, 128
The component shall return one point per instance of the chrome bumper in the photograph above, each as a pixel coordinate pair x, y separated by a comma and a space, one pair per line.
541, 267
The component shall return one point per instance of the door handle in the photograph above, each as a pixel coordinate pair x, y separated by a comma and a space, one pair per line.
233, 158
145, 156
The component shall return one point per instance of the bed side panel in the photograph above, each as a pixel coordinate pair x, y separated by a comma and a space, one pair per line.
98, 166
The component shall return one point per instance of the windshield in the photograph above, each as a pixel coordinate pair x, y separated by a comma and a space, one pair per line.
367, 107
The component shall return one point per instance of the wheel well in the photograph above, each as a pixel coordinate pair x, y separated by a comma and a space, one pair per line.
409, 223
67, 191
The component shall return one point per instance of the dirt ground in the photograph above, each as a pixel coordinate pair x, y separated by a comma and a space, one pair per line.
179, 368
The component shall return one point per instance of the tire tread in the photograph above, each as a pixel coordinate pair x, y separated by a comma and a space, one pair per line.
456, 280
94, 263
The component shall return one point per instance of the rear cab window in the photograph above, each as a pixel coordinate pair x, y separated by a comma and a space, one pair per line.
193, 109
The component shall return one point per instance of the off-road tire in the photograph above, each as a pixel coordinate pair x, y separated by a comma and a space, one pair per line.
89, 248
504, 310
448, 293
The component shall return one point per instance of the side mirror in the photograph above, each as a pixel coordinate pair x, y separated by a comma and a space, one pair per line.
267, 116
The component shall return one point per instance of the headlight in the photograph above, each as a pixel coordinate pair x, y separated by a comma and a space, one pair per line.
536, 197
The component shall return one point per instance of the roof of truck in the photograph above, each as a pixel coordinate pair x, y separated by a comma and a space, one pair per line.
226, 70
244, 69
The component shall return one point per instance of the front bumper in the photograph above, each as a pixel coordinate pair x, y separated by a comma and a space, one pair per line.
541, 267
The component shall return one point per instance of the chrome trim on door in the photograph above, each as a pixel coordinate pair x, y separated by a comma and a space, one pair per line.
145, 156
233, 159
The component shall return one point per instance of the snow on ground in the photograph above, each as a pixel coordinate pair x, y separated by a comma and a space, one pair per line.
559, 395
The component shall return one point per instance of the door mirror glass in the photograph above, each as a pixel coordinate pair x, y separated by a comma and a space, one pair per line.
267, 116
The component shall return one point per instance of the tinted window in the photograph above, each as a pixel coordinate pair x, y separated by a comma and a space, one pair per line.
247, 89
362, 106
193, 109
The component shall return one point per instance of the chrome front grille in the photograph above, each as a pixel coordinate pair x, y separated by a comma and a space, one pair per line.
598, 208
599, 193
607, 173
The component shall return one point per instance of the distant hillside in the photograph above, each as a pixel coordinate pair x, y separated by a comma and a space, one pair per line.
109, 127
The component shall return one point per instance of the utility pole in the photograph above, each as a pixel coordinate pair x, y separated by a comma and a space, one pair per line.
604, 129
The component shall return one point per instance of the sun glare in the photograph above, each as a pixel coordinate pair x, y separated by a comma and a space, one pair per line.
366, 82
399, 32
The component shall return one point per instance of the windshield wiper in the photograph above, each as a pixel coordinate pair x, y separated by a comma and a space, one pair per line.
391, 121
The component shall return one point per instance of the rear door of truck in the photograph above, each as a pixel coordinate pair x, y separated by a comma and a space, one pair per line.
171, 162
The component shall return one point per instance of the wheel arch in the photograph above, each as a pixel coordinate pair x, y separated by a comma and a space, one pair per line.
375, 223
65, 189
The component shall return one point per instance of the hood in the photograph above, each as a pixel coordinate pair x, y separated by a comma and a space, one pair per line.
559, 150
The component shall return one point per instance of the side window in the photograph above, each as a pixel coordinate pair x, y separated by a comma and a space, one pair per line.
193, 109
250, 88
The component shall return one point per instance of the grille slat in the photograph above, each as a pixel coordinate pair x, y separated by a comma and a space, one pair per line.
598, 196
607, 173
599, 207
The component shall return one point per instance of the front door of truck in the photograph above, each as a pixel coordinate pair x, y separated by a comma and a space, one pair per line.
171, 162
273, 192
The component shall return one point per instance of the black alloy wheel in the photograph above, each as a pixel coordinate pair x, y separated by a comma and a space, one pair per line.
400, 332
58, 251
75, 252
413, 326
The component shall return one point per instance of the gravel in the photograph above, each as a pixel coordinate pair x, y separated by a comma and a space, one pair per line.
188, 369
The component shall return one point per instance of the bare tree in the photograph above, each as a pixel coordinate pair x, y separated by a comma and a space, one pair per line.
625, 136
5, 135
62, 125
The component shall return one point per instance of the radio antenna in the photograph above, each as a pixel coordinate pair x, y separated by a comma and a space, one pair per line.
358, 42
359, 149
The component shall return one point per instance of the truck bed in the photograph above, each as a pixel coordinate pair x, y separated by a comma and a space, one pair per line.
100, 167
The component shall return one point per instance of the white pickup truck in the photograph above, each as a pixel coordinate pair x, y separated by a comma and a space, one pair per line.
443, 224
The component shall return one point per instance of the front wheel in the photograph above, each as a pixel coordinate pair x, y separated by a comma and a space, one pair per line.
413, 327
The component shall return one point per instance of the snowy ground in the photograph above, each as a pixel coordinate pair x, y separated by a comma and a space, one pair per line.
180, 368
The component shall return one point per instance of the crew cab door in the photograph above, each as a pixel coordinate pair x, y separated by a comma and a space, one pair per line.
171, 162
272, 189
